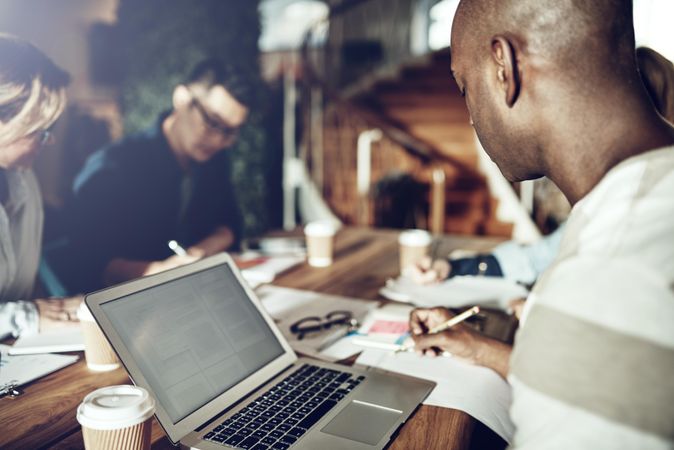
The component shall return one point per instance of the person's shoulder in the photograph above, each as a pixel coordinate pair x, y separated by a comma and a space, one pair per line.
133, 146
121, 156
635, 177
629, 208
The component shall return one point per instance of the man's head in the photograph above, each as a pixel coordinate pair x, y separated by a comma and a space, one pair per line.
209, 109
526, 66
32, 97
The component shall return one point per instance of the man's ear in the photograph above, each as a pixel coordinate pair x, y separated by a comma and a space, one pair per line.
181, 96
503, 53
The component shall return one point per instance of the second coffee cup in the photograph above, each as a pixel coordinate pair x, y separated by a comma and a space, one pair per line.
414, 245
97, 351
320, 242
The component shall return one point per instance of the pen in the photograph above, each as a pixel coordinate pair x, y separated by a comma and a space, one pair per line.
445, 325
177, 249
384, 346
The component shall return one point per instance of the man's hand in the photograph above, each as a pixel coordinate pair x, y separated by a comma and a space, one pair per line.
427, 271
58, 312
461, 341
119, 270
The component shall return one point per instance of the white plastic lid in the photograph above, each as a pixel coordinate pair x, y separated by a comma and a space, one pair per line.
415, 238
83, 313
320, 228
115, 407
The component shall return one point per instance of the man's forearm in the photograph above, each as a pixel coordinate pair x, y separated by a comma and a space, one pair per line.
495, 355
120, 269
221, 239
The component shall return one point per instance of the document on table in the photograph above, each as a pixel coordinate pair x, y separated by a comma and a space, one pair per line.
493, 292
53, 341
287, 306
259, 269
475, 390
26, 368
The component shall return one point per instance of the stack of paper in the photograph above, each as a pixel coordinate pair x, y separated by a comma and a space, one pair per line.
475, 390
257, 269
23, 369
54, 341
493, 292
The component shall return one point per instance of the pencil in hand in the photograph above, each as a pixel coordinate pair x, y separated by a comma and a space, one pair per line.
444, 326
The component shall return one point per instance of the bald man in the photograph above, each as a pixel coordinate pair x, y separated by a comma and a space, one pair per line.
553, 89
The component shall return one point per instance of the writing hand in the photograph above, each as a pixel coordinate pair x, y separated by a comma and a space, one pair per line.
169, 263
427, 271
58, 312
461, 341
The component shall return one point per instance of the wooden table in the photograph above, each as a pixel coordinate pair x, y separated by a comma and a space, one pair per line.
44, 415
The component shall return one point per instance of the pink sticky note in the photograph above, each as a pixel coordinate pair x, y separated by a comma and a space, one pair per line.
389, 327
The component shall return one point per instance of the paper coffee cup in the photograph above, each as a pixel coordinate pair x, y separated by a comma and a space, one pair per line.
97, 351
116, 418
320, 242
414, 245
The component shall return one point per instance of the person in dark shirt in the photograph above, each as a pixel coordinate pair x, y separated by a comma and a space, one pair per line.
170, 182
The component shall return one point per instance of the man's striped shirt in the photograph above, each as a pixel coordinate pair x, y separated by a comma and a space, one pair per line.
593, 363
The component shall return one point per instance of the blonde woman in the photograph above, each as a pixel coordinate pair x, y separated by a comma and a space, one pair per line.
32, 97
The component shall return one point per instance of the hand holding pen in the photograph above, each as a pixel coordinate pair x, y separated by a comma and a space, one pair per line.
437, 330
179, 258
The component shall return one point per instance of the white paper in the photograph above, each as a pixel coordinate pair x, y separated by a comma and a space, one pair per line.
493, 292
26, 368
267, 271
53, 341
287, 306
475, 390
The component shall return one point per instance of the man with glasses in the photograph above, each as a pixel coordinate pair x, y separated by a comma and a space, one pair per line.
170, 182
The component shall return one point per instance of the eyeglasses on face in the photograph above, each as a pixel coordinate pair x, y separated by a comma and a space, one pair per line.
224, 130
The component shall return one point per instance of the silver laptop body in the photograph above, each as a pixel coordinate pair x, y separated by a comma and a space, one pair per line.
198, 339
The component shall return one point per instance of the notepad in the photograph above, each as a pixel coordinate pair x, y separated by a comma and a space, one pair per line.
25, 368
475, 390
258, 269
493, 292
53, 341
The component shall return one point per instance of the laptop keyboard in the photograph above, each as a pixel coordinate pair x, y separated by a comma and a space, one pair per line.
283, 414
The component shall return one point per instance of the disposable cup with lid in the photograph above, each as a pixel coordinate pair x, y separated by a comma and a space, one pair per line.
115, 407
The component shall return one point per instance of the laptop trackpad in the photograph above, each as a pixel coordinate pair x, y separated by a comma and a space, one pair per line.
363, 422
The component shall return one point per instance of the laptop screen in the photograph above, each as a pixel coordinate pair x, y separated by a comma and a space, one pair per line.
193, 337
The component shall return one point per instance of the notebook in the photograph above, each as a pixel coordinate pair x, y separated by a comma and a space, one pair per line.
222, 374
52, 341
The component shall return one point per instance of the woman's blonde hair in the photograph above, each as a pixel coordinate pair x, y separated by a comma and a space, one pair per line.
32, 89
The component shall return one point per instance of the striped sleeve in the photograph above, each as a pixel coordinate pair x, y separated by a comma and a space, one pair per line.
593, 364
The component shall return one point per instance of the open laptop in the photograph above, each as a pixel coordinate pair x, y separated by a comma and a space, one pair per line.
222, 374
